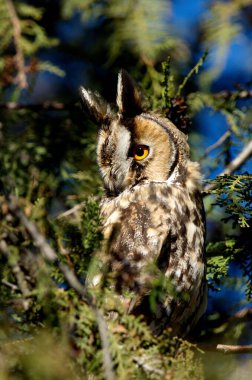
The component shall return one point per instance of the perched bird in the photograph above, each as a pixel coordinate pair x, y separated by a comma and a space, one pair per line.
152, 212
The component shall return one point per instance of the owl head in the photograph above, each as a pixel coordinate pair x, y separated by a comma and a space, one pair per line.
134, 146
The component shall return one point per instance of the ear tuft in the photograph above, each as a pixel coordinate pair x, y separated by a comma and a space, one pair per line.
128, 97
94, 105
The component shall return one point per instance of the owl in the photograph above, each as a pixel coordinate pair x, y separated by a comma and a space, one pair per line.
152, 211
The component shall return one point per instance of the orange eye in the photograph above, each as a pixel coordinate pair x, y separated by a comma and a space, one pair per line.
140, 152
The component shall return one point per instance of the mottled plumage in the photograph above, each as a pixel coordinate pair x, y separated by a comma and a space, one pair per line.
152, 213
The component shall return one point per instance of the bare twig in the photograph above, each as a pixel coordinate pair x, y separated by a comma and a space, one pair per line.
237, 162
234, 349
50, 255
243, 315
218, 143
19, 275
240, 94
227, 348
22, 284
144, 363
10, 285
20, 61
72, 210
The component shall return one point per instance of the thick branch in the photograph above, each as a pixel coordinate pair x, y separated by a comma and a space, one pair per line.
237, 162
50, 255
20, 61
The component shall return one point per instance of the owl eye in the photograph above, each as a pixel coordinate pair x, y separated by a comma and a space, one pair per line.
140, 152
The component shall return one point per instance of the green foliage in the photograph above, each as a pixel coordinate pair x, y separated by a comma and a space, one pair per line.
194, 70
167, 83
219, 257
20, 27
90, 223
234, 193
33, 36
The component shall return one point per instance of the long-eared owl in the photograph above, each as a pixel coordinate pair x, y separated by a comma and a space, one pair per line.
152, 212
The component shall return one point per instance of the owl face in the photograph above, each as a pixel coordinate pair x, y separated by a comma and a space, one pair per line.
134, 146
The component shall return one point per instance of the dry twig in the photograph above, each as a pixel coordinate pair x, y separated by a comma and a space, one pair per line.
234, 349
227, 348
218, 143
20, 61
73, 210
148, 367
10, 285
243, 156
240, 94
19, 275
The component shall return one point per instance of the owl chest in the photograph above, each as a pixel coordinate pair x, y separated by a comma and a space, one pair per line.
162, 226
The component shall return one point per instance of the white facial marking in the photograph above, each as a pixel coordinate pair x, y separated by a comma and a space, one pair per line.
123, 142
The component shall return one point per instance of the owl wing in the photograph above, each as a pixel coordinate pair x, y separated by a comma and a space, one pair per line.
138, 233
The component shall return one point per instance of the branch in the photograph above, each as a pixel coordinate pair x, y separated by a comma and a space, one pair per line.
227, 348
50, 255
237, 162
19, 275
22, 284
72, 210
21, 77
243, 315
233, 349
241, 94
10, 285
218, 143
144, 363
